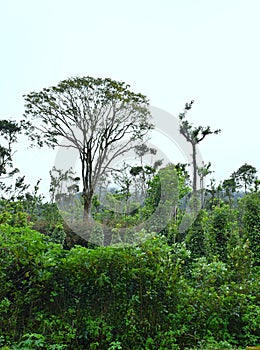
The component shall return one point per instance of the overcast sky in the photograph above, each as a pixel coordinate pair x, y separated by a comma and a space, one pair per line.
172, 51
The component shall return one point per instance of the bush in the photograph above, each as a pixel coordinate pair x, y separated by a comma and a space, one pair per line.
148, 296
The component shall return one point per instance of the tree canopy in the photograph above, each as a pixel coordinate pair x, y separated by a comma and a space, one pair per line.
100, 118
245, 176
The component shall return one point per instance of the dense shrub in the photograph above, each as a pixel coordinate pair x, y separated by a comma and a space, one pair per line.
250, 222
148, 296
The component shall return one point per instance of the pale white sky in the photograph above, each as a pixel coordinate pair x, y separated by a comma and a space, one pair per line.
170, 50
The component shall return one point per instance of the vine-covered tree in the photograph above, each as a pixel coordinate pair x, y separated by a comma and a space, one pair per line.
162, 199
100, 118
249, 207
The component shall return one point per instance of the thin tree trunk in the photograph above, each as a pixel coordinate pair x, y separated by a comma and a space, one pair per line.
194, 182
194, 163
87, 205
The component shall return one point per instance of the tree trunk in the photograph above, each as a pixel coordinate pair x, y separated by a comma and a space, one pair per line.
87, 205
194, 182
202, 193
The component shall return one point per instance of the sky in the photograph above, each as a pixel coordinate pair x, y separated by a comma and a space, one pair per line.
172, 51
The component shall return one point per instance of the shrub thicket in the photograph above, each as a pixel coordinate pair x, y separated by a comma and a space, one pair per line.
148, 296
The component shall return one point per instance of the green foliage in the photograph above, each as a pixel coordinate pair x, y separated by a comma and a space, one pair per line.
184, 279
97, 235
214, 234
195, 239
229, 186
245, 176
8, 133
92, 115
147, 296
191, 290
250, 220
58, 234
31, 341
162, 199
221, 232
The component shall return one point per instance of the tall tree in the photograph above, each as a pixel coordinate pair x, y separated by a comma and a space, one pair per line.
194, 135
8, 132
100, 118
162, 199
143, 173
245, 176
229, 186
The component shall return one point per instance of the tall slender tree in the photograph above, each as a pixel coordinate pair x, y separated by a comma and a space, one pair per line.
194, 135
9, 131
